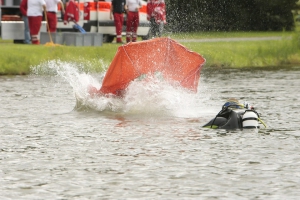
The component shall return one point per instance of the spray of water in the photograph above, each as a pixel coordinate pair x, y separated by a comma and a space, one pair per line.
151, 96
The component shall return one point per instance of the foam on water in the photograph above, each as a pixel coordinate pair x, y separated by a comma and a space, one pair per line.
150, 96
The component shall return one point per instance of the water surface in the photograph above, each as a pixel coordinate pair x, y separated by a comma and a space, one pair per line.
149, 145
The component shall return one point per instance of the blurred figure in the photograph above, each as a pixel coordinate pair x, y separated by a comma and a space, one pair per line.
35, 17
51, 6
23, 9
72, 15
72, 12
156, 14
132, 7
117, 12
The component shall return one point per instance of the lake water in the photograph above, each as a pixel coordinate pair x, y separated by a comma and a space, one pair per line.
150, 145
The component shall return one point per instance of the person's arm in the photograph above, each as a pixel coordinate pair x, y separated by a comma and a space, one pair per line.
23, 7
140, 4
149, 10
62, 7
126, 6
164, 12
111, 10
65, 15
44, 8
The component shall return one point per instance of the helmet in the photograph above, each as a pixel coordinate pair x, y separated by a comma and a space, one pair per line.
233, 103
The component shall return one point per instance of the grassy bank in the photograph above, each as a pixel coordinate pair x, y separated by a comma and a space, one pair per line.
19, 58
284, 52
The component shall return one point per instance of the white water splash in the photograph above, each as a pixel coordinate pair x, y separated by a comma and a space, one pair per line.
153, 97
157, 97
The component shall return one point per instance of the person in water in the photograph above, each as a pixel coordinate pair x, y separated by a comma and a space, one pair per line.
235, 115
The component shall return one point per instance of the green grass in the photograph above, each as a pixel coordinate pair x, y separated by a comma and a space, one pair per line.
249, 53
209, 35
19, 58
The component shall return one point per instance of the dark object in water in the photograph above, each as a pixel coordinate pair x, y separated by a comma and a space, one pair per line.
235, 116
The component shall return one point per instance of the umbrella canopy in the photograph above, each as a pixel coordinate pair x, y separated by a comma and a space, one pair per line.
174, 62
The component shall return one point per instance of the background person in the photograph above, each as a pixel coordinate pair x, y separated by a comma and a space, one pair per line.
72, 15
35, 16
23, 9
51, 6
132, 7
117, 12
72, 12
156, 14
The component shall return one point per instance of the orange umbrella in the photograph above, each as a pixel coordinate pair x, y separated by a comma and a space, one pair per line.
174, 62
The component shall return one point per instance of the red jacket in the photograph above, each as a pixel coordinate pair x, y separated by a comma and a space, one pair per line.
23, 7
157, 10
72, 12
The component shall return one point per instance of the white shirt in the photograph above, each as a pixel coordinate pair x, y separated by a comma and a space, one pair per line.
132, 5
35, 7
52, 5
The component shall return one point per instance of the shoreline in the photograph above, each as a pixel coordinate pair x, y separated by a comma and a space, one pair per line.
256, 51
237, 39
